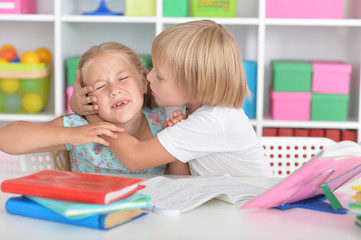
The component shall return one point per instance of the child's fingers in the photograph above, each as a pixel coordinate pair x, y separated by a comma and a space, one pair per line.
77, 84
177, 113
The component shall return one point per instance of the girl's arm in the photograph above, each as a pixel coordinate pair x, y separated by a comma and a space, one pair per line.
26, 137
136, 155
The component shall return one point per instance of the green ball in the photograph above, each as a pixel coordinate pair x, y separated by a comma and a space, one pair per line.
12, 102
30, 85
1, 100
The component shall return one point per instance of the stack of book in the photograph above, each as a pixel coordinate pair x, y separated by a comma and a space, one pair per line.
355, 207
88, 200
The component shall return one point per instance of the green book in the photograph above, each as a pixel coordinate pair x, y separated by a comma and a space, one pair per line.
78, 210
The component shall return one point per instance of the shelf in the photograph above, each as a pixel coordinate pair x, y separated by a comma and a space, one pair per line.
61, 27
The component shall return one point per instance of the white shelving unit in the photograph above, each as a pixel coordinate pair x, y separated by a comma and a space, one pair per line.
60, 26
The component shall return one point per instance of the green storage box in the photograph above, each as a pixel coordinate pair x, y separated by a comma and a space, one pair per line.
329, 107
291, 76
147, 61
213, 8
24, 88
175, 8
140, 7
71, 67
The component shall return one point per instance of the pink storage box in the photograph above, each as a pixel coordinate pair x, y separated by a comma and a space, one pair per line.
291, 106
331, 77
69, 92
17, 6
304, 9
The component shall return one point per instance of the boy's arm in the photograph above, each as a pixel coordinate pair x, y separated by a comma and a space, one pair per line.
80, 102
136, 155
26, 137
178, 168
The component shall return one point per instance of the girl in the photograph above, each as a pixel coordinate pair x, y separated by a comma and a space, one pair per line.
197, 64
122, 91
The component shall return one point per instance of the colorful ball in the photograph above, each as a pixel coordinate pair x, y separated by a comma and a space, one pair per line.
30, 85
12, 102
44, 54
5, 46
9, 54
3, 60
1, 100
30, 57
9, 85
32, 103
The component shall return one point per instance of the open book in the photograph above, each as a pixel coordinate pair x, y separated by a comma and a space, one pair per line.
335, 166
176, 196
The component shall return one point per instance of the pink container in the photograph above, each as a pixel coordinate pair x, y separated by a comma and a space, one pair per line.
17, 6
291, 106
69, 92
304, 9
331, 77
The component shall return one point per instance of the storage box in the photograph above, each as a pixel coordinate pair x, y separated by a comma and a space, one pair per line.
213, 8
331, 77
17, 6
24, 88
290, 105
304, 9
175, 8
71, 67
140, 7
291, 76
329, 107
249, 105
69, 93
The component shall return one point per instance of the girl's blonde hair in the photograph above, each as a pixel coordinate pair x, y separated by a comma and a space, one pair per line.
61, 158
206, 62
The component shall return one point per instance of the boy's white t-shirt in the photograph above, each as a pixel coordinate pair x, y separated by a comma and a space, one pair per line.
216, 141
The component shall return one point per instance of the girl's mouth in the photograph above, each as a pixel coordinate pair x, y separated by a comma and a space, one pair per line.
120, 104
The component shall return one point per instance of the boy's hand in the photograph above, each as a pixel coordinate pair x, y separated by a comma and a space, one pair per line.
80, 102
92, 133
177, 117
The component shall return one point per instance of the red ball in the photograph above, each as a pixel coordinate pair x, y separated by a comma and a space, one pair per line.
9, 54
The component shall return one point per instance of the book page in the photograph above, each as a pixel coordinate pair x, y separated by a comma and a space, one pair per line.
173, 197
340, 150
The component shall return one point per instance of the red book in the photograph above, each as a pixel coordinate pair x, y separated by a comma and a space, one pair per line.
73, 186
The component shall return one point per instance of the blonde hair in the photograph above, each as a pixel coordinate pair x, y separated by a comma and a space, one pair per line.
206, 62
61, 158
128, 54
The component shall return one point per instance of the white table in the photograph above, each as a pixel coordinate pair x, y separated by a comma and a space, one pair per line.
212, 220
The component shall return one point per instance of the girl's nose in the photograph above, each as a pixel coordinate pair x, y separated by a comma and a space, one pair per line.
115, 91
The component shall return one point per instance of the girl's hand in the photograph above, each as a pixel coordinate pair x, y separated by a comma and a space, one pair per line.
177, 117
79, 102
92, 133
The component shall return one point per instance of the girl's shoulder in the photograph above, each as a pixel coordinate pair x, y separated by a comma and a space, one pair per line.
156, 115
74, 120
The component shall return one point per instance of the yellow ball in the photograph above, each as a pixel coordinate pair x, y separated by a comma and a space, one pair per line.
9, 85
32, 103
3, 60
30, 57
44, 54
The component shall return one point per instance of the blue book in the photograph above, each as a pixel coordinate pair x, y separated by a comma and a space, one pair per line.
77, 210
28, 208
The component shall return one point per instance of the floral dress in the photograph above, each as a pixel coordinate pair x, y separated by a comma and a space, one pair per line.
97, 158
